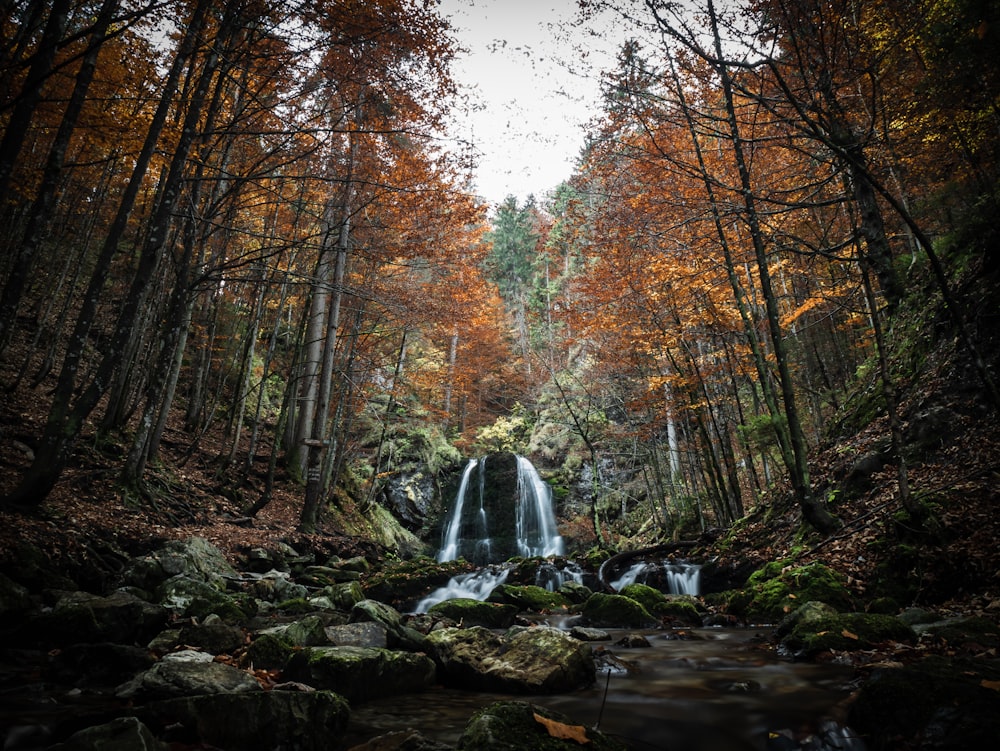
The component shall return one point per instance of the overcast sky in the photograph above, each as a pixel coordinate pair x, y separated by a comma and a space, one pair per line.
533, 76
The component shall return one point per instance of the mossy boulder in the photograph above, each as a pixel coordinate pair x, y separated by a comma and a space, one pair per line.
343, 596
361, 673
779, 588
529, 597
77, 617
515, 726
649, 597
469, 612
939, 703
268, 651
616, 611
846, 631
398, 634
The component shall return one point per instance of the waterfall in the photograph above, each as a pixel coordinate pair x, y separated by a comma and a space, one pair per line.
449, 547
474, 586
536, 521
507, 512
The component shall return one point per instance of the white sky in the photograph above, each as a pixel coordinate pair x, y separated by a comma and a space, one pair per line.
533, 77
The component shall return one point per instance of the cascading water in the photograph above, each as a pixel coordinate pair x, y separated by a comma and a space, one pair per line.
537, 535
506, 512
675, 578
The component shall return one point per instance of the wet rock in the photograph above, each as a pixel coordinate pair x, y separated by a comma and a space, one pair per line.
575, 592
262, 721
277, 586
633, 641
534, 660
468, 612
186, 674
616, 611
121, 734
589, 634
521, 726
361, 673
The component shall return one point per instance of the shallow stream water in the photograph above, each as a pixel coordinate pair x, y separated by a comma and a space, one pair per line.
704, 689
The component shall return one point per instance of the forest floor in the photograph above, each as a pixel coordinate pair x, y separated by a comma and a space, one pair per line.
88, 521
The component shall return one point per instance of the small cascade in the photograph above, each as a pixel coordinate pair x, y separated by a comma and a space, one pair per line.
669, 576
449, 547
550, 576
503, 509
474, 586
537, 535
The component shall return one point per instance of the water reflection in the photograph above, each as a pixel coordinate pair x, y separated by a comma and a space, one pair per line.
712, 690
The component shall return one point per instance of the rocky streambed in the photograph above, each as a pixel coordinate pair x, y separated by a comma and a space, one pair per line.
185, 651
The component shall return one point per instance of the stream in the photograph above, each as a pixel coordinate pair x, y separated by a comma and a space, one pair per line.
700, 689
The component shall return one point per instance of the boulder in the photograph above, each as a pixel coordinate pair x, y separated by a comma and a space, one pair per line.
187, 674
363, 634
361, 673
398, 634
212, 636
528, 597
195, 558
537, 660
305, 632
343, 596
198, 598
260, 721
81, 617
589, 634
468, 612
616, 611
845, 631
521, 726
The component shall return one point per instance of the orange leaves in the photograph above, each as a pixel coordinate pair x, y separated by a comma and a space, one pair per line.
563, 731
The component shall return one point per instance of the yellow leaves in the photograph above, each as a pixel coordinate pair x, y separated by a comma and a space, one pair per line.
992, 685
849, 635
563, 731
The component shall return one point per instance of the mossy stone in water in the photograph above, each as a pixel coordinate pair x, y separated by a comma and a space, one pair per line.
649, 597
611, 611
471, 612
512, 726
528, 597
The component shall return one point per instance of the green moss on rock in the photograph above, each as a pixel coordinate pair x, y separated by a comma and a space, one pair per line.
512, 726
475, 613
616, 611
847, 631
529, 597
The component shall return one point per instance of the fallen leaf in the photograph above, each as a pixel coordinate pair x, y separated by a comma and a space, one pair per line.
995, 685
557, 729
848, 635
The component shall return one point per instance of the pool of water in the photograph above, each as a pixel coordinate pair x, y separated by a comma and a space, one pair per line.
702, 689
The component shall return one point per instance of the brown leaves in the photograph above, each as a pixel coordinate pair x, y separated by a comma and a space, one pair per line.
561, 730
